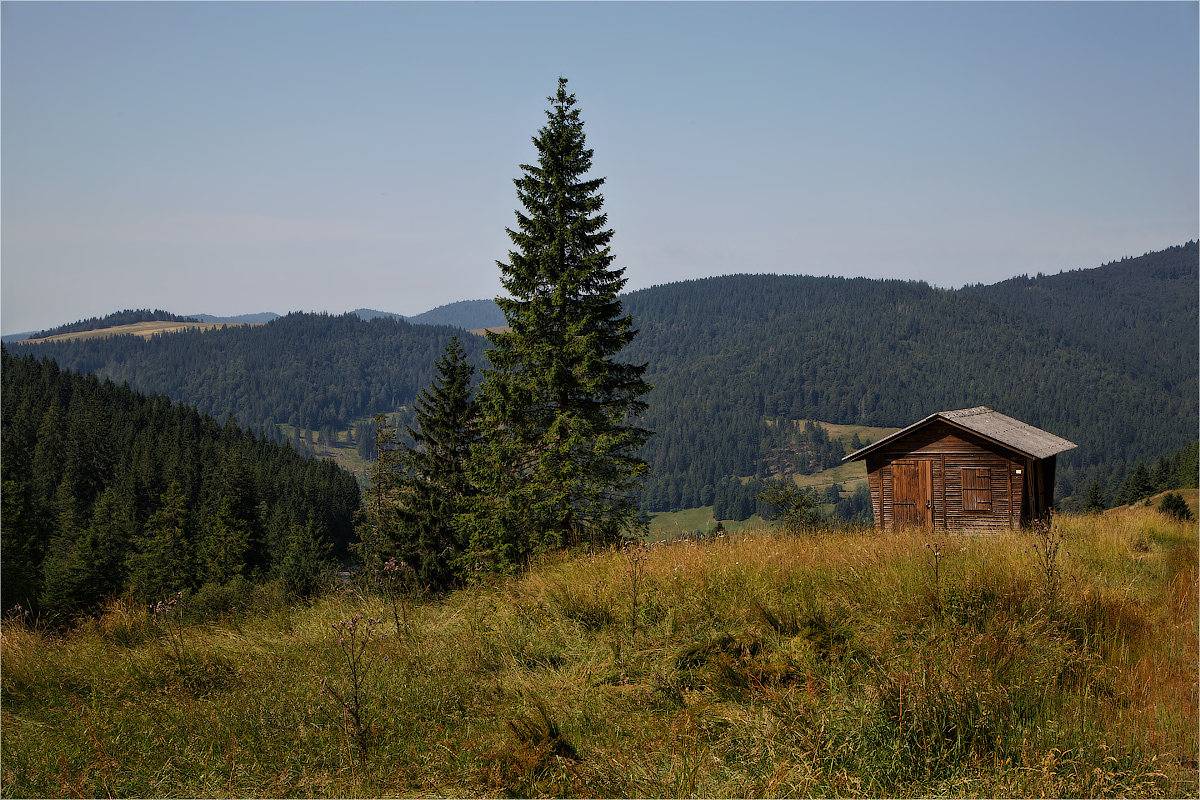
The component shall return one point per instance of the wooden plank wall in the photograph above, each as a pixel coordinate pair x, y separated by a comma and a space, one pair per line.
949, 450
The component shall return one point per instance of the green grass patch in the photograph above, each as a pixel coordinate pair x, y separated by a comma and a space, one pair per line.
850, 475
866, 433
666, 525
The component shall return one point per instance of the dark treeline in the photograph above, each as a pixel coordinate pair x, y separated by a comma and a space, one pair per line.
1138, 314
729, 355
310, 371
109, 492
127, 317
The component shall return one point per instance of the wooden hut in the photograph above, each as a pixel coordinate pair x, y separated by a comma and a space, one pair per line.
971, 469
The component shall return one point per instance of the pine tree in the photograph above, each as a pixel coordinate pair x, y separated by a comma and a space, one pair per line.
561, 448
307, 559
435, 487
225, 545
796, 509
1096, 502
1174, 505
1136, 486
377, 520
83, 567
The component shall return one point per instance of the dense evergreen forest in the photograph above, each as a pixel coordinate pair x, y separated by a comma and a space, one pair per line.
309, 371
107, 491
1105, 357
1138, 314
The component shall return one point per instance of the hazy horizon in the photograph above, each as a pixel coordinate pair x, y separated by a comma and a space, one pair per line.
230, 158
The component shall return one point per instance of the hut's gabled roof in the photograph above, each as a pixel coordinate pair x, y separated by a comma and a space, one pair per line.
991, 425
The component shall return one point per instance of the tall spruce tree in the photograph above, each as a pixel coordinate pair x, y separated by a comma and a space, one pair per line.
435, 488
560, 456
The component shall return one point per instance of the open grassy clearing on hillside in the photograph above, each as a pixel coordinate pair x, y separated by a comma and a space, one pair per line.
341, 449
756, 665
866, 433
142, 329
849, 475
666, 525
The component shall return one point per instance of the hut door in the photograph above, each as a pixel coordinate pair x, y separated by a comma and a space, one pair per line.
912, 493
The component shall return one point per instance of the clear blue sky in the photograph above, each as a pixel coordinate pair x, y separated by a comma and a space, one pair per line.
227, 158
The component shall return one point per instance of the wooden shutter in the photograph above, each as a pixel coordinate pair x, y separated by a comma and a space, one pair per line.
977, 489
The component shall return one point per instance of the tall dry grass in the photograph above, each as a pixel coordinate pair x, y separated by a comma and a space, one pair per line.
756, 664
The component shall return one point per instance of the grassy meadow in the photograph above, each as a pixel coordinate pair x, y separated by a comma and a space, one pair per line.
668, 525
142, 329
340, 448
760, 664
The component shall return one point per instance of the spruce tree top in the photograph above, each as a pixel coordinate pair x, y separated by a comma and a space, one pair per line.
561, 238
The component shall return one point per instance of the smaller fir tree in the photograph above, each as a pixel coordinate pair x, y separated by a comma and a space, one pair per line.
796, 509
161, 563
1096, 501
1174, 505
434, 487
377, 520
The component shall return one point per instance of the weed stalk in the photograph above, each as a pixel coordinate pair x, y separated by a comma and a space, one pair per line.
1048, 540
635, 558
168, 613
356, 638
936, 555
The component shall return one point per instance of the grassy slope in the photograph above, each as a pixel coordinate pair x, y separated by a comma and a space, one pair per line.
341, 449
848, 475
142, 329
754, 665
666, 525
866, 433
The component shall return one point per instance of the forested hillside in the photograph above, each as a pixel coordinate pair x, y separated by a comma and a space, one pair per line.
1137, 313
250, 319
106, 490
1105, 357
311, 371
466, 314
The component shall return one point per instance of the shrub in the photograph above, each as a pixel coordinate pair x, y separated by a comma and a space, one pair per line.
1175, 506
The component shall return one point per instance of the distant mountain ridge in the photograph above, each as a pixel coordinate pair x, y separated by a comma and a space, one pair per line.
309, 371
127, 317
368, 314
466, 314
17, 337
260, 318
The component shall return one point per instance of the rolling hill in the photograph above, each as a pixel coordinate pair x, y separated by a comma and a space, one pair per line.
311, 371
728, 354
465, 314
